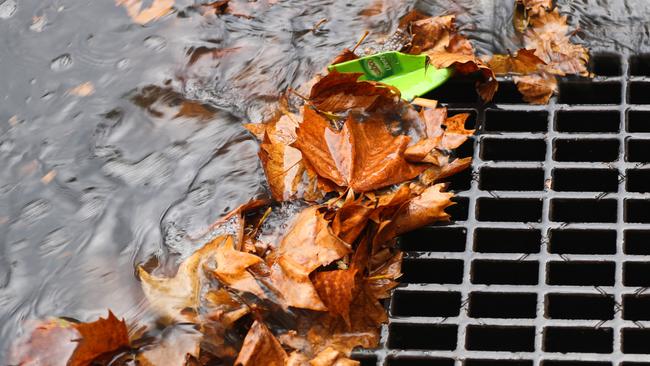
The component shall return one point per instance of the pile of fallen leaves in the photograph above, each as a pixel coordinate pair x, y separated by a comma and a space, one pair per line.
301, 279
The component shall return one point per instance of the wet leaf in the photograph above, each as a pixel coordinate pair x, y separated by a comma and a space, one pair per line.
261, 348
99, 337
232, 267
173, 297
176, 346
48, 343
465, 64
523, 62
422, 210
308, 244
350, 220
337, 289
157, 9
364, 155
536, 88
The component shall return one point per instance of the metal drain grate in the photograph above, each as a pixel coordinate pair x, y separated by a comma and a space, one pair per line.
548, 260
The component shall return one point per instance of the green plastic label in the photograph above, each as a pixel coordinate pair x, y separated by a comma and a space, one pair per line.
380, 66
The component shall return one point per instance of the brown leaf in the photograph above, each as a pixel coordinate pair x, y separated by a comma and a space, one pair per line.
465, 64
536, 7
232, 267
382, 280
455, 133
432, 33
536, 88
178, 343
99, 337
171, 297
339, 92
308, 244
363, 156
261, 348
350, 220
337, 289
523, 62
422, 210
83, 90
157, 9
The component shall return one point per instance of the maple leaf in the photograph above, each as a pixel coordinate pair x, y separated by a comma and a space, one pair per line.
232, 265
465, 64
523, 62
157, 9
421, 210
536, 88
261, 348
171, 297
364, 155
308, 244
59, 342
340, 92
337, 289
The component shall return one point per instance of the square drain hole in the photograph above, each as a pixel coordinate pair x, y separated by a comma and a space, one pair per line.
434, 239
636, 307
636, 274
637, 211
637, 242
636, 340
638, 121
606, 64
492, 240
638, 151
494, 338
583, 210
513, 149
509, 209
587, 121
432, 271
637, 180
579, 273
499, 272
422, 336
502, 305
573, 241
579, 306
640, 65
515, 121
511, 179
596, 150
638, 92
459, 211
365, 359
419, 361
581, 180
589, 92
508, 94
421, 303
581, 340
457, 90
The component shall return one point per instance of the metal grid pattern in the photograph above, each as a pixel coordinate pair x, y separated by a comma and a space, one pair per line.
547, 261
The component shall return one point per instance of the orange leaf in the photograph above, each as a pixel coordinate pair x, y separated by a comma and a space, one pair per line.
337, 290
536, 88
261, 348
466, 64
99, 337
523, 62
232, 265
364, 155
157, 9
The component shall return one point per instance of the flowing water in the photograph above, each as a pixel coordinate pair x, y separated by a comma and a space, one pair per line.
120, 142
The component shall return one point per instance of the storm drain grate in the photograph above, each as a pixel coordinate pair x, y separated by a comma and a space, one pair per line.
547, 261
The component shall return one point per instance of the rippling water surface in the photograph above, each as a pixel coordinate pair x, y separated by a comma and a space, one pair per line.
119, 142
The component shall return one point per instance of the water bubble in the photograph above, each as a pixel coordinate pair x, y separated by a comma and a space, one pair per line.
61, 63
155, 43
7, 8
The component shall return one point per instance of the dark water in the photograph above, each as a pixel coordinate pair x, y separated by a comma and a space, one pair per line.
91, 186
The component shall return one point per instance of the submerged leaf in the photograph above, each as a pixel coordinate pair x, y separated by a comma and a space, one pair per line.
157, 9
